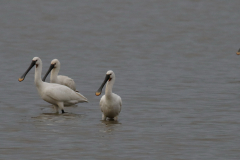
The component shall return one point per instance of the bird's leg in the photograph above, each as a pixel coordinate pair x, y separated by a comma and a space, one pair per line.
61, 106
104, 117
115, 118
56, 108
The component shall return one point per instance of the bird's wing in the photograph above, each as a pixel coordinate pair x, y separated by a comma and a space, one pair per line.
69, 82
60, 92
82, 98
101, 102
120, 103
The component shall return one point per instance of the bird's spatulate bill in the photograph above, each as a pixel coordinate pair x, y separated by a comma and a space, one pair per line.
238, 52
99, 91
49, 70
29, 68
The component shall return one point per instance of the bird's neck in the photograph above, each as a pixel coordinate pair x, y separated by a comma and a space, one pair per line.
37, 78
54, 74
108, 89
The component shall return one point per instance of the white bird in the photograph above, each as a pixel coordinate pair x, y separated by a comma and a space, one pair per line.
56, 94
110, 103
59, 79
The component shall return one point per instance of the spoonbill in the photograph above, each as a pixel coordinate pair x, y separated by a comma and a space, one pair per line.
59, 79
110, 103
56, 94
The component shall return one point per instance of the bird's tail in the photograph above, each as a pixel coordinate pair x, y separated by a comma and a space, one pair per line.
83, 99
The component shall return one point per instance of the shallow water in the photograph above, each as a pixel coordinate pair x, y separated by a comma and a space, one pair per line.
176, 71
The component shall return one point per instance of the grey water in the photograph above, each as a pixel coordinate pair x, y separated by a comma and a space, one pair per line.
176, 70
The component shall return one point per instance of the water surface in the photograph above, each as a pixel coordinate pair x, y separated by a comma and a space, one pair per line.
176, 71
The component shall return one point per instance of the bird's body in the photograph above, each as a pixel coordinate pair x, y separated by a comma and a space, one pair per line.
59, 79
56, 94
64, 80
111, 106
110, 103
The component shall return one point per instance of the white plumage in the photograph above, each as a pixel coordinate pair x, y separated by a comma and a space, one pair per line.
110, 103
56, 94
59, 79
